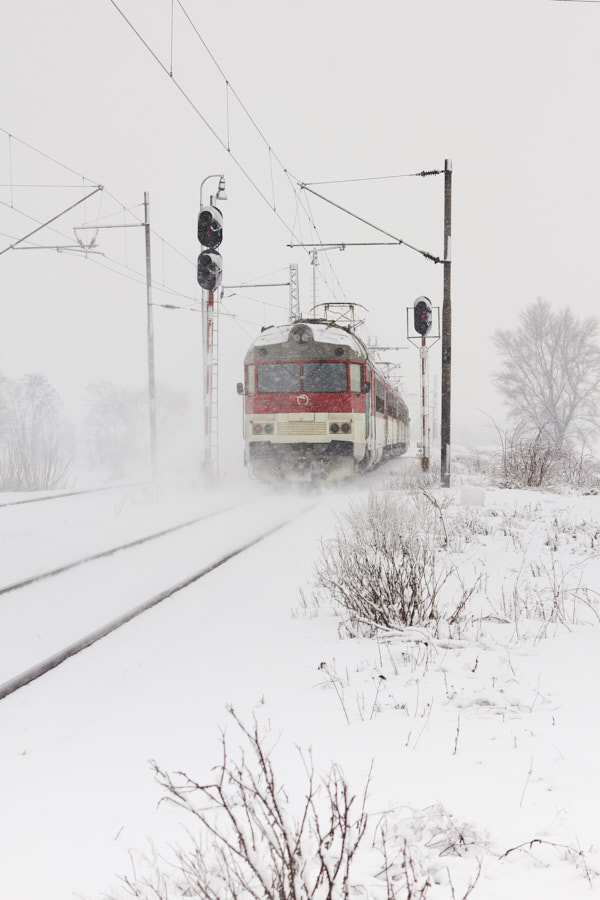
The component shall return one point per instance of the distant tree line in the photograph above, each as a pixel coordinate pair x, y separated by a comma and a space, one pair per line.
39, 447
35, 442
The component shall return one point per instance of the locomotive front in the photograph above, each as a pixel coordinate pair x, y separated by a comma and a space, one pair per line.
304, 403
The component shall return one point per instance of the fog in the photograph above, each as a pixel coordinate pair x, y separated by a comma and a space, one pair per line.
334, 93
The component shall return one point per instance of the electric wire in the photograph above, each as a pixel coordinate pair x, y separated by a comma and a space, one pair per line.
189, 100
45, 155
223, 143
422, 174
62, 186
139, 276
255, 300
92, 182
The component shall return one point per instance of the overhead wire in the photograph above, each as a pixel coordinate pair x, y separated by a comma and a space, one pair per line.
255, 300
45, 155
92, 182
225, 144
139, 221
189, 100
328, 261
139, 276
422, 174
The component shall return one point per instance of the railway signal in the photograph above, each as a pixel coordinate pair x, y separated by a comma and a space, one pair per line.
422, 315
210, 227
210, 235
210, 275
210, 270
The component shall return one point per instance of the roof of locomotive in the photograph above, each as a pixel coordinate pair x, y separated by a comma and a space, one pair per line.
321, 331
326, 339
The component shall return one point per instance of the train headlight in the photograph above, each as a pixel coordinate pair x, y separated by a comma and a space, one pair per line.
346, 427
257, 428
301, 335
269, 428
334, 428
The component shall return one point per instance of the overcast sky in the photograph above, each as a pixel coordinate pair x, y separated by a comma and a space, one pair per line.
340, 90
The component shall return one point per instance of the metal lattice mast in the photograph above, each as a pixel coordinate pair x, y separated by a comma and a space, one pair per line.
294, 293
425, 428
209, 321
445, 428
214, 399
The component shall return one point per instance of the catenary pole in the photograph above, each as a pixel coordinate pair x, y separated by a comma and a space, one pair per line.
445, 429
150, 329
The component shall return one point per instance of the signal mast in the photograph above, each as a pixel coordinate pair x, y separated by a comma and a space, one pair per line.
422, 319
210, 275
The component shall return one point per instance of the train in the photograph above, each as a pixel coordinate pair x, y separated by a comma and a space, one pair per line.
316, 407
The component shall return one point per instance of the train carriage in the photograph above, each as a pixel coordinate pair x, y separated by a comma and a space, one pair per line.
315, 406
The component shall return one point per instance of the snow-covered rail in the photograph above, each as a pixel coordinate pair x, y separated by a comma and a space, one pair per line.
110, 551
22, 500
110, 582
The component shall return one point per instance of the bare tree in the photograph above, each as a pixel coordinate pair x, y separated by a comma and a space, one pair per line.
550, 373
116, 434
116, 428
35, 444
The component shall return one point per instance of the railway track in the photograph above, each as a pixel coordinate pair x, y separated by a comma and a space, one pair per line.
119, 581
24, 582
81, 493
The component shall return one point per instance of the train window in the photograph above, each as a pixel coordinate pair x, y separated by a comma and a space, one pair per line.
278, 378
250, 386
355, 379
325, 377
379, 397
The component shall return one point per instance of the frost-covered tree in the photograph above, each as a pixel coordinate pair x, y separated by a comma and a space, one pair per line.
116, 428
35, 444
550, 373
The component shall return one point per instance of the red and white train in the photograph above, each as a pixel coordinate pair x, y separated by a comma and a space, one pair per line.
315, 406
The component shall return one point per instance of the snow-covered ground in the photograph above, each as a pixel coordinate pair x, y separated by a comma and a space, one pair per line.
483, 741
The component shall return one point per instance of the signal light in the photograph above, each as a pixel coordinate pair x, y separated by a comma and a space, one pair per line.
210, 235
423, 315
210, 270
210, 227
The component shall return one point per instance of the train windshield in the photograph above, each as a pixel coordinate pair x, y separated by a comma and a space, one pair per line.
325, 377
279, 378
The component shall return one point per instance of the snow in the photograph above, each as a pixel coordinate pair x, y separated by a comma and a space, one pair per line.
482, 742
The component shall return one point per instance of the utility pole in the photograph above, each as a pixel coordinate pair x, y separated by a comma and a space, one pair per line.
445, 431
87, 248
150, 332
314, 260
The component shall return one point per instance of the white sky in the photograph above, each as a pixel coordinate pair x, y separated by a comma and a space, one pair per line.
507, 90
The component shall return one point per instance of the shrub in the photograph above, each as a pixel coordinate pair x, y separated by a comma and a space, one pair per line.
382, 568
249, 843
